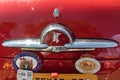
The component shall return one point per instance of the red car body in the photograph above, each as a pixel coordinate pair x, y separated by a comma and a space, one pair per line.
86, 19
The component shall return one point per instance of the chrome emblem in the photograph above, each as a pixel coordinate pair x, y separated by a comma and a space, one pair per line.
56, 37
53, 33
56, 13
87, 65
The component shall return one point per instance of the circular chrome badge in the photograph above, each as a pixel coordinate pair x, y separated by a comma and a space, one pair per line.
27, 61
87, 65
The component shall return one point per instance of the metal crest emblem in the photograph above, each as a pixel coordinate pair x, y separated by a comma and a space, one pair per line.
56, 37
87, 65
56, 13
71, 43
27, 61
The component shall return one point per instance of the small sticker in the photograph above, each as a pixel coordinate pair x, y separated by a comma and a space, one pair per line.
27, 61
24, 75
87, 65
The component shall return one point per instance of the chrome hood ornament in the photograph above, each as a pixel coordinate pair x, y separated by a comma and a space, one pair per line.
54, 34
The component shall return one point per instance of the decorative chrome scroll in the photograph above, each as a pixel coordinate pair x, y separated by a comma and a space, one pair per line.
37, 44
57, 27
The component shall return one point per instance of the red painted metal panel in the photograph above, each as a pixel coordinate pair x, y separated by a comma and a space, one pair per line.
87, 19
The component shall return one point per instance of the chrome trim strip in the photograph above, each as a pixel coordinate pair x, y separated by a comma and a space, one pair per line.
56, 49
92, 43
58, 27
78, 45
37, 44
24, 43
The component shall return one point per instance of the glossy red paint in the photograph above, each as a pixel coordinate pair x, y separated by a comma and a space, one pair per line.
86, 18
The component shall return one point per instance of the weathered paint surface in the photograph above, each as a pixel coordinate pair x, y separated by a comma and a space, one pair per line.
87, 19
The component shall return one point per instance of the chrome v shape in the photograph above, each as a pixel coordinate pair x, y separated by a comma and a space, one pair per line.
35, 44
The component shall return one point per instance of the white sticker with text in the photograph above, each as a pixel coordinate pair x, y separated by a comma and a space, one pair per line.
24, 75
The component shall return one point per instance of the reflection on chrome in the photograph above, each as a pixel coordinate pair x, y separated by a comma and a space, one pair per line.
56, 49
37, 44
58, 27
77, 45
92, 43
24, 43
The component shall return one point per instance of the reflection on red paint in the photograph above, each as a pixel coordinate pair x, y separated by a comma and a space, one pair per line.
7, 65
107, 64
